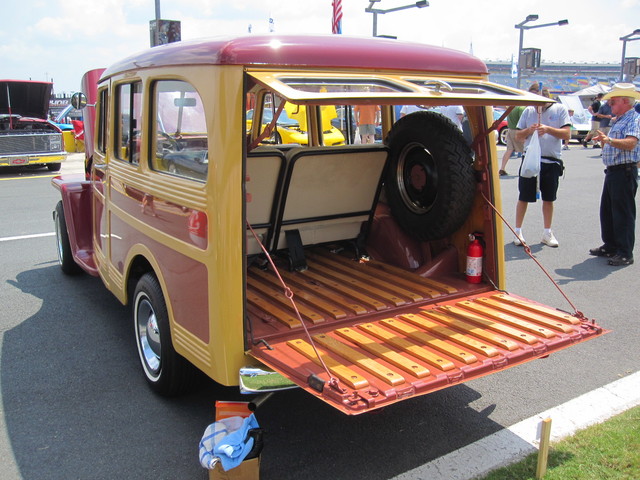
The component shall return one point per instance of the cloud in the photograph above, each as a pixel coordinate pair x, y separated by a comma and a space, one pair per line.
64, 38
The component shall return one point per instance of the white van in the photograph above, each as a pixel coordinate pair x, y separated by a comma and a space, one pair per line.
581, 119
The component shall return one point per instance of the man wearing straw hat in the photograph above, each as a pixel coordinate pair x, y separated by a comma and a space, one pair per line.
620, 155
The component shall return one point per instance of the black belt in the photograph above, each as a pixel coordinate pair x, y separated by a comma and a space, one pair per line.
556, 161
622, 166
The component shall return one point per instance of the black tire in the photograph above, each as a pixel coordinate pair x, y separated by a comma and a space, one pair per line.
65, 258
54, 167
430, 182
167, 373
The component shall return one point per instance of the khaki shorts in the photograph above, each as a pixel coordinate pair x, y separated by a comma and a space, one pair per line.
512, 143
367, 129
595, 125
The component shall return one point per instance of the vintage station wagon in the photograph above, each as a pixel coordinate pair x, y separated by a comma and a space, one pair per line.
338, 268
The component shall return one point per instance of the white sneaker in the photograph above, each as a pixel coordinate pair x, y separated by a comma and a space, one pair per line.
550, 240
518, 241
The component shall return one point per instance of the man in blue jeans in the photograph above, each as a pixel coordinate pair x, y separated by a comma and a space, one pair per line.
620, 155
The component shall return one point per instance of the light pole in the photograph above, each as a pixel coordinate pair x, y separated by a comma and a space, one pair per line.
158, 16
625, 39
376, 11
522, 27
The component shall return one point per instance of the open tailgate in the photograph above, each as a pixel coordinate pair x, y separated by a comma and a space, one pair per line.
408, 345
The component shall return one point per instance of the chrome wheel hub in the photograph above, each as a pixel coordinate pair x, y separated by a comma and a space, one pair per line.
148, 336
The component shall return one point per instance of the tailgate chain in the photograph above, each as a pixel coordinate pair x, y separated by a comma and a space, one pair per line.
333, 381
577, 313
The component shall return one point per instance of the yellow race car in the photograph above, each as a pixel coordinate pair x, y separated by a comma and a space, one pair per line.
291, 126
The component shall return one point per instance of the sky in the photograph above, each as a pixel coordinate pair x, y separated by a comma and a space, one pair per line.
59, 40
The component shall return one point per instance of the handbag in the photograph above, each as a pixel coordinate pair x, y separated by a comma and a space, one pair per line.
531, 164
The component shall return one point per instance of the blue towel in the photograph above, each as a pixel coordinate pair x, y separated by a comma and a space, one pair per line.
227, 442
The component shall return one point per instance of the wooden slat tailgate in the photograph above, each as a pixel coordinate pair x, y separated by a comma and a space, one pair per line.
380, 347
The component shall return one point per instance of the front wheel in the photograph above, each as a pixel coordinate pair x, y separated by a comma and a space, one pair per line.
54, 167
502, 136
167, 373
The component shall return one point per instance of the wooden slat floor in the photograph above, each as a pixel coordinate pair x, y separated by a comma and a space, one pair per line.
335, 287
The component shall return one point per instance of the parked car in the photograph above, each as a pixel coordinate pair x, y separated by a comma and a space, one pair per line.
503, 128
290, 130
191, 164
581, 118
27, 137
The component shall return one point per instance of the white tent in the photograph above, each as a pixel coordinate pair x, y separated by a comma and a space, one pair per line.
593, 90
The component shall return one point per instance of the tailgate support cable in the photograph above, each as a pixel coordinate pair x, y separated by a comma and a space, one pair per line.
493, 128
267, 130
577, 313
333, 381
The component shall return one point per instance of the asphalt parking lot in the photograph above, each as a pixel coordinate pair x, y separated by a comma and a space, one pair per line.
73, 403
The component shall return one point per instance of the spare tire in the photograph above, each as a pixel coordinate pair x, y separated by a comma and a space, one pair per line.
430, 182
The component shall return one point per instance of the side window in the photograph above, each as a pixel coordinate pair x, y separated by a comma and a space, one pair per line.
103, 109
180, 142
128, 115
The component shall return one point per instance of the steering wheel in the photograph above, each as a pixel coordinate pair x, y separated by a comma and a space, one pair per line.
174, 145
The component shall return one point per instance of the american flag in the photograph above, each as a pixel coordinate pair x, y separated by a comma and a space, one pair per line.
336, 21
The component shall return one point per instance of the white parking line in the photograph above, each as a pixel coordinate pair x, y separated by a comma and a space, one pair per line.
26, 237
516, 442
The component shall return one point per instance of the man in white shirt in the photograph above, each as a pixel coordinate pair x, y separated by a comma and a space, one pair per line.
552, 125
455, 113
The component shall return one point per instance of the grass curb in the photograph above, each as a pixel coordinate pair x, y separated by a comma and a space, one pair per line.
608, 450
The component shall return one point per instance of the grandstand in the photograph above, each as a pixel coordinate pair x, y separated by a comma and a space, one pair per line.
560, 78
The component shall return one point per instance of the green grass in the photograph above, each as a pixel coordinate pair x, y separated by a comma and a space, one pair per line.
607, 451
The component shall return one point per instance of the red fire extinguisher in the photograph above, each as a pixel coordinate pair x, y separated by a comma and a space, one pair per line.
474, 259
